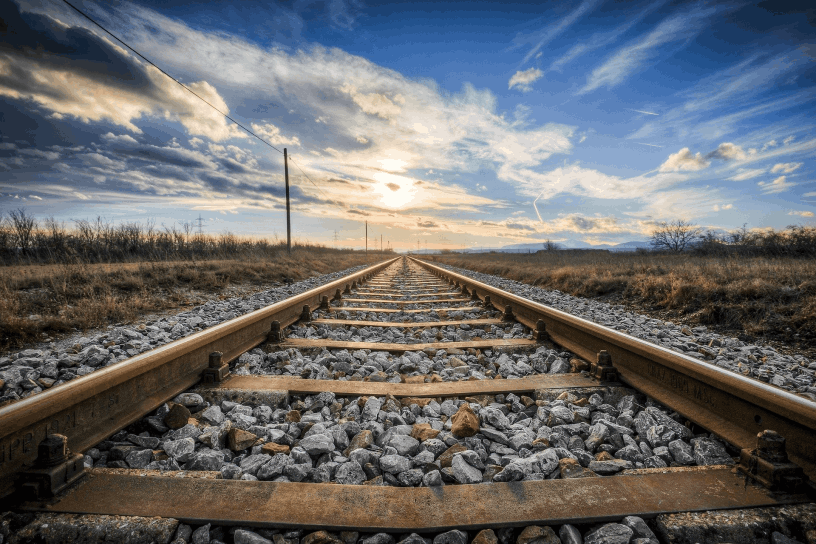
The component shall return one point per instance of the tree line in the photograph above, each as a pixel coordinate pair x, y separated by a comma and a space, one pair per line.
25, 239
680, 236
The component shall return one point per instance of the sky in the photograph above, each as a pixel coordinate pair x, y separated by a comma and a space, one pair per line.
441, 125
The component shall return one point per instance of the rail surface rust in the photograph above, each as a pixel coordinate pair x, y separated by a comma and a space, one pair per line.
91, 408
732, 406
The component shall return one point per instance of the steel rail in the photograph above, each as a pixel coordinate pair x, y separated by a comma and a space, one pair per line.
730, 405
89, 409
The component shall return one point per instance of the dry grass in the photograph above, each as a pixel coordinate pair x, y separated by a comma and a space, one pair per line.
37, 301
756, 297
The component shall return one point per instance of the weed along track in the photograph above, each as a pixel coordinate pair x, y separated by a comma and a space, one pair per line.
407, 403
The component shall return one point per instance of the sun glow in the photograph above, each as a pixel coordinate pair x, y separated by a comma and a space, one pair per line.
395, 191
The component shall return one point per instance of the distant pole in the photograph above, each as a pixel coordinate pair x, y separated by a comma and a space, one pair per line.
380, 243
288, 221
366, 253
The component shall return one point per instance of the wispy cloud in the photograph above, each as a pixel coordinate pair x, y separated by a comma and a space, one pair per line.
747, 173
801, 213
524, 79
646, 112
778, 185
786, 167
544, 36
602, 39
630, 59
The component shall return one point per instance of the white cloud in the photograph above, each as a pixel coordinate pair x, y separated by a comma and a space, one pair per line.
718, 208
525, 79
125, 138
786, 167
629, 59
684, 160
788, 140
35, 197
776, 186
747, 173
273, 135
7, 146
728, 151
362, 139
801, 213
375, 103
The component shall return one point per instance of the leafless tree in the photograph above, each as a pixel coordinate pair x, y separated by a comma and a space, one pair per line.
549, 245
24, 226
675, 236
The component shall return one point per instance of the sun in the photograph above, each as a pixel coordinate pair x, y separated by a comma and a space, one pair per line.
394, 191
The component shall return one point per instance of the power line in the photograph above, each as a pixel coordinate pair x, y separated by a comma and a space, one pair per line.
190, 90
307, 177
168, 75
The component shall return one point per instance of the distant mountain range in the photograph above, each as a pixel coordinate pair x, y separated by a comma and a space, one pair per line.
566, 244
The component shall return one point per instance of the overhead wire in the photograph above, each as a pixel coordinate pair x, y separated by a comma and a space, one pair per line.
191, 91
150, 62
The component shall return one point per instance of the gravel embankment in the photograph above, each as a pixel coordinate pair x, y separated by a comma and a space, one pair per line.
794, 373
31, 371
413, 442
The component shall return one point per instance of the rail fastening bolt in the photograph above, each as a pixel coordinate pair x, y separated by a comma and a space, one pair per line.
215, 359
53, 450
771, 446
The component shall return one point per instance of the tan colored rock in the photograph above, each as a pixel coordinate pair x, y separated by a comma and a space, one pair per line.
465, 422
361, 440
485, 536
422, 402
581, 402
534, 534
238, 439
436, 378
604, 456
270, 448
177, 417
423, 431
456, 362
541, 443
414, 379
527, 401
446, 457
577, 365
293, 416
320, 537
570, 468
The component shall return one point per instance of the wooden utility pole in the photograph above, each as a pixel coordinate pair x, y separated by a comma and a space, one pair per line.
366, 253
380, 243
288, 221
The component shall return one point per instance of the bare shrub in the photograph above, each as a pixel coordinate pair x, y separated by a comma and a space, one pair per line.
675, 236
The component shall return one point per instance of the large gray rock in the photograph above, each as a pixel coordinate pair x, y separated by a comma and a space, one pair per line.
394, 464
451, 537
611, 533
371, 409
405, 445
639, 527
252, 463
243, 536
317, 444
274, 467
681, 452
710, 452
350, 473
465, 473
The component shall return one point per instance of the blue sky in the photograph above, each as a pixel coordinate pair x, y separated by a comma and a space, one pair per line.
452, 124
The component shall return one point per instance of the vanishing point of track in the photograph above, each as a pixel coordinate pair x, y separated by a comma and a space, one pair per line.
38, 474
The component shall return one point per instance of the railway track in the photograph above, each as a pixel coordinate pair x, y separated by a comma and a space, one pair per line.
376, 403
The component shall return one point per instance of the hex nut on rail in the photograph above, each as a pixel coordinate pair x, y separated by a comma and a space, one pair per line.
217, 371
275, 333
602, 369
56, 469
306, 314
769, 465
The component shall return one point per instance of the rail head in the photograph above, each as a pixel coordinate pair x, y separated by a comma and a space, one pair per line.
90, 408
731, 405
